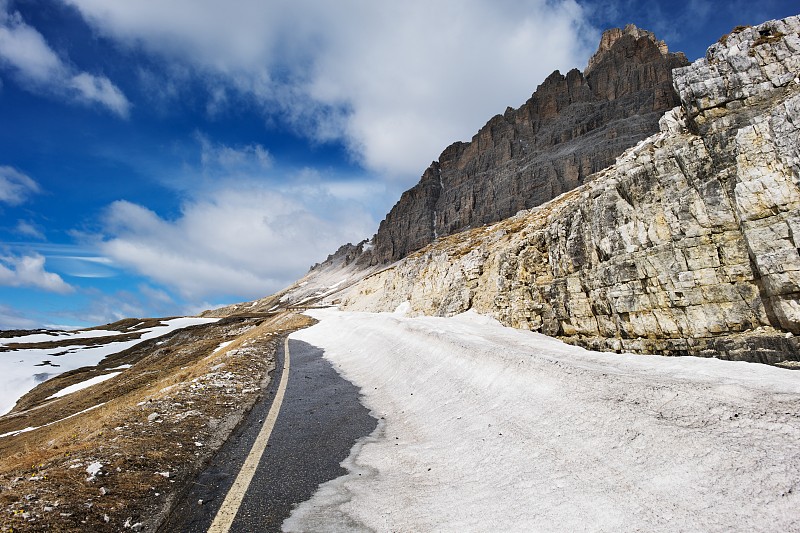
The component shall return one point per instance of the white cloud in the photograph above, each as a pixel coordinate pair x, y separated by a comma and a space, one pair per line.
25, 49
331, 192
28, 271
397, 82
221, 157
28, 229
36, 66
15, 187
244, 242
162, 87
99, 89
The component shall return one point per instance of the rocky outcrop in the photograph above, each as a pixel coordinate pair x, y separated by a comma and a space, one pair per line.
573, 126
345, 255
688, 245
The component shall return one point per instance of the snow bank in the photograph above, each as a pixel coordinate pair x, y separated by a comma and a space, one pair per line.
486, 428
21, 370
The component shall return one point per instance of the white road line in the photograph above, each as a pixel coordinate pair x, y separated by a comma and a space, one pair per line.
222, 522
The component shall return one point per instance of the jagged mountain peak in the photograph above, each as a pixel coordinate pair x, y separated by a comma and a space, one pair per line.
572, 126
614, 38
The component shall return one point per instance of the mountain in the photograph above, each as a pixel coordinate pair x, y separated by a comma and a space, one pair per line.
573, 126
686, 245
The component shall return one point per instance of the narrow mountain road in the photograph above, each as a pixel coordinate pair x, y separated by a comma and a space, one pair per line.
319, 420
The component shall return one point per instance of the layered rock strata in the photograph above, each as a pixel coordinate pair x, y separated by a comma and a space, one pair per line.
573, 126
687, 245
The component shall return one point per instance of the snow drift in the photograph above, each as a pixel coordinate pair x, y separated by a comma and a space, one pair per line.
484, 427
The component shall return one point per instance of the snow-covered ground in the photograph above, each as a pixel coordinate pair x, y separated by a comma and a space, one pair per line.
58, 336
487, 428
21, 370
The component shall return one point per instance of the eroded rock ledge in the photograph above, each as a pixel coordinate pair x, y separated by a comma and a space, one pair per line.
688, 245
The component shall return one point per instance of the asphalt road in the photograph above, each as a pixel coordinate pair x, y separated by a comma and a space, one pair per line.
319, 422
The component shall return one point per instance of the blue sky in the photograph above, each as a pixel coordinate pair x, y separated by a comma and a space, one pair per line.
159, 158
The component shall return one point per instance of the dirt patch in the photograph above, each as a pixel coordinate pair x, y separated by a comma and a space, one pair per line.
112, 456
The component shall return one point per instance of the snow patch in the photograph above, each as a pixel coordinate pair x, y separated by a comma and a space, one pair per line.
83, 385
17, 432
221, 347
403, 309
94, 468
60, 336
337, 283
19, 368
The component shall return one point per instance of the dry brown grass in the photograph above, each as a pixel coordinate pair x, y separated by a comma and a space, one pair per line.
737, 29
769, 38
179, 391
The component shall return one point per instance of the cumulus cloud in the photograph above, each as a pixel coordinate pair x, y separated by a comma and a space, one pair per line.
245, 229
396, 82
15, 187
29, 271
243, 242
25, 52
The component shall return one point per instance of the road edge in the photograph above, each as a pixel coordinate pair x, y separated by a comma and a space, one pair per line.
233, 500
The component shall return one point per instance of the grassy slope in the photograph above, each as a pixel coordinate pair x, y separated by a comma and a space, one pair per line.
179, 391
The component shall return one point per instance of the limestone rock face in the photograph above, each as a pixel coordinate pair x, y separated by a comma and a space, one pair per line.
687, 245
573, 126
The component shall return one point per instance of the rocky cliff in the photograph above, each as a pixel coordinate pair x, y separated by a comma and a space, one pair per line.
572, 127
688, 244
